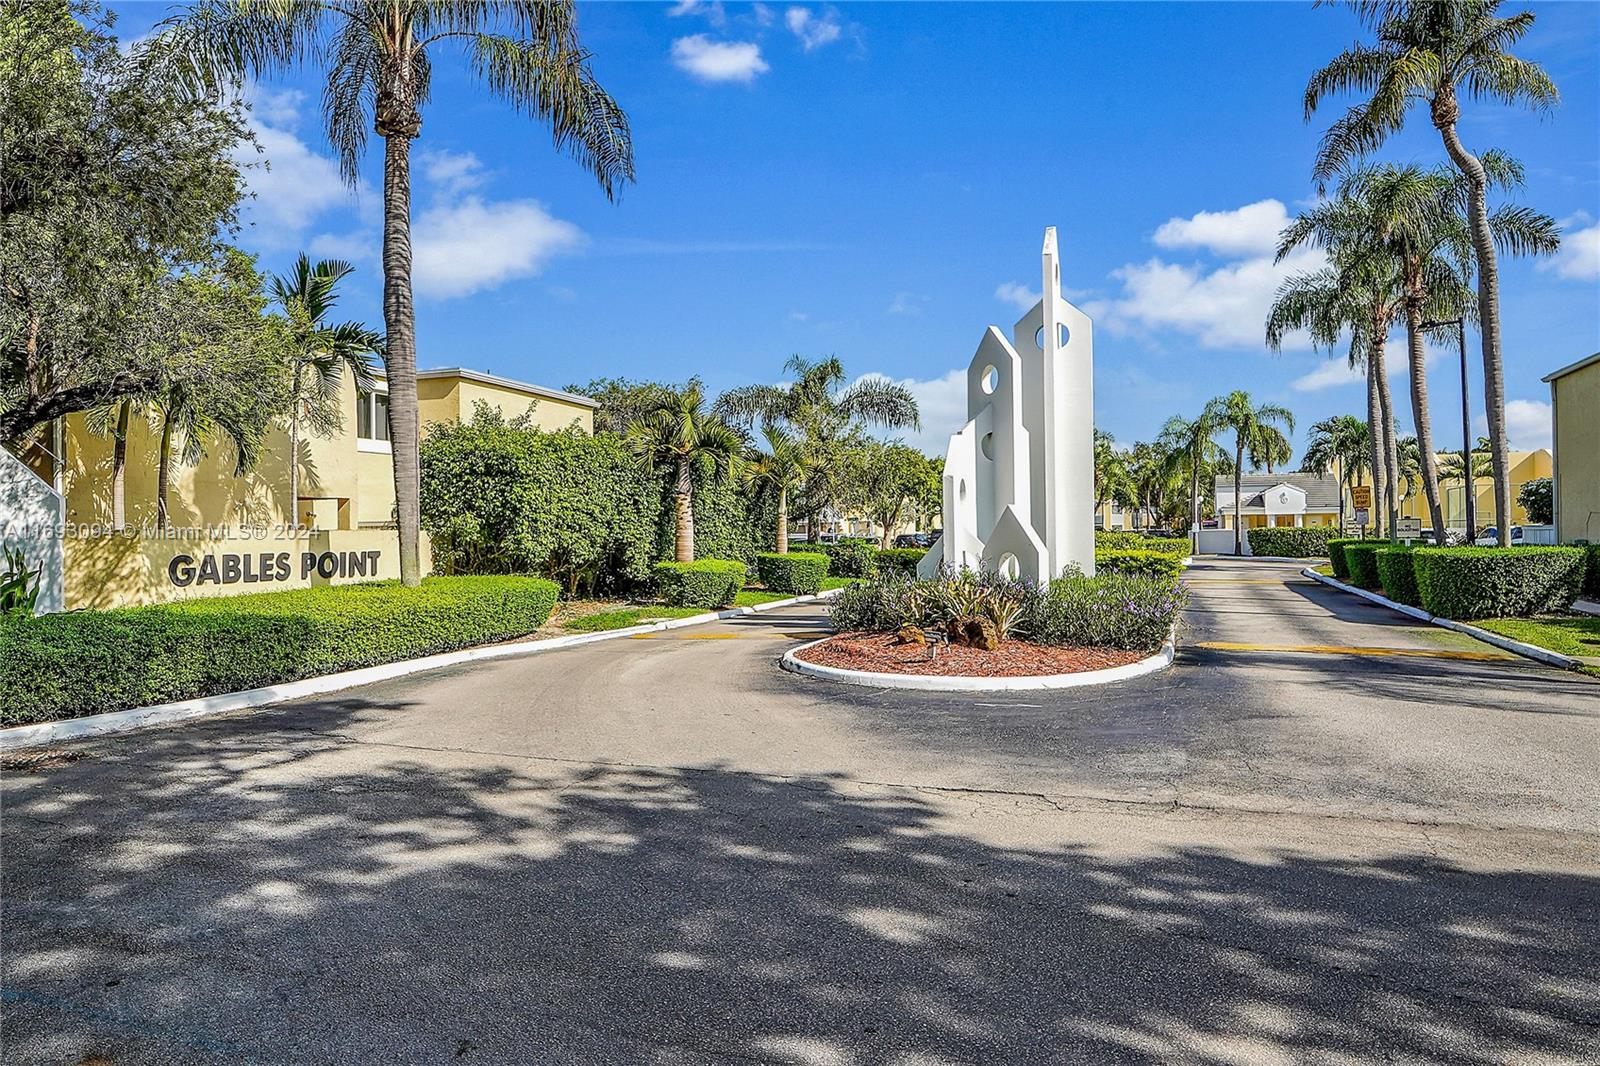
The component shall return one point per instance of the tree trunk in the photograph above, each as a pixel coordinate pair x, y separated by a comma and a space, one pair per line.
1375, 442
294, 446
163, 464
1194, 499
1494, 381
399, 320
1238, 481
683, 497
783, 519
1391, 449
119, 468
1340, 460
1427, 466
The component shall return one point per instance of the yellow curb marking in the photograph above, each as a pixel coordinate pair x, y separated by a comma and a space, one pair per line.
1334, 649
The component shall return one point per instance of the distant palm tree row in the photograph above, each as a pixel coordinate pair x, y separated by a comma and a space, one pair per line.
1406, 244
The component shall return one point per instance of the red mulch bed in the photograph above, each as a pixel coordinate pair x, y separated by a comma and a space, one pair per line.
878, 653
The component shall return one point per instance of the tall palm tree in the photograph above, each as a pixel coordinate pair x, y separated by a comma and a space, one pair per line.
1255, 431
1191, 442
180, 414
378, 57
1433, 52
680, 433
1112, 478
1453, 467
782, 466
116, 419
320, 353
1339, 443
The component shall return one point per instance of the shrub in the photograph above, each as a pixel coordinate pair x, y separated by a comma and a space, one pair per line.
1115, 538
879, 604
1306, 542
1398, 576
1497, 582
1138, 561
702, 583
904, 560
1341, 569
1537, 498
1361, 560
1109, 610
87, 662
800, 573
1123, 540
851, 558
1591, 580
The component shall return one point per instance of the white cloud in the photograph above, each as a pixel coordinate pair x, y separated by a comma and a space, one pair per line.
814, 31
1328, 374
360, 247
1578, 257
1250, 230
712, 10
1528, 425
717, 61
471, 245
453, 172
1017, 295
906, 303
942, 406
293, 185
762, 14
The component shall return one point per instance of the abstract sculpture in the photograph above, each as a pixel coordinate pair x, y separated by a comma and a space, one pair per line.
1019, 477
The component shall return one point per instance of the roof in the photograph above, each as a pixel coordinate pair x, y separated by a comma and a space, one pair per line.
1572, 367
504, 383
1322, 493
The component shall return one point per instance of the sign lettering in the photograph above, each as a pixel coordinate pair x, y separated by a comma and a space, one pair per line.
253, 568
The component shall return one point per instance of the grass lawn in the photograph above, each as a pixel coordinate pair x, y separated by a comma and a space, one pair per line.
1565, 634
830, 583
623, 617
752, 597
1326, 570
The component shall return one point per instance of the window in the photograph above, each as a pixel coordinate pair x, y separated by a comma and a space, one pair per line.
372, 415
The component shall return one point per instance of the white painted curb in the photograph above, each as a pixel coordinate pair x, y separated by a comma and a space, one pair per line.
1531, 651
929, 683
29, 736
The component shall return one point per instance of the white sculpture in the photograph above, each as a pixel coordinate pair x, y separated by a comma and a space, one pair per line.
1019, 477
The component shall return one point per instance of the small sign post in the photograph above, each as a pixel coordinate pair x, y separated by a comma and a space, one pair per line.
1361, 497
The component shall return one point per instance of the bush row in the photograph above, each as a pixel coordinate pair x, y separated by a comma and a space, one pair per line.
1124, 540
87, 662
1361, 563
1497, 582
1306, 542
904, 560
1336, 546
797, 573
703, 583
1591, 581
1138, 561
1398, 576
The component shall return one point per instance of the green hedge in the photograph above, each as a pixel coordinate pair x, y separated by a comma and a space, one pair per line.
904, 560
851, 558
86, 662
1138, 561
1361, 560
1125, 540
702, 583
1398, 576
1591, 580
800, 573
1498, 582
1341, 569
1306, 542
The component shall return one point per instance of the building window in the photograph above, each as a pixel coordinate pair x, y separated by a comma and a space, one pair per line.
372, 416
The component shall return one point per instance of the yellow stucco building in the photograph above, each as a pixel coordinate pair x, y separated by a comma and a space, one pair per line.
1525, 467
1575, 407
229, 533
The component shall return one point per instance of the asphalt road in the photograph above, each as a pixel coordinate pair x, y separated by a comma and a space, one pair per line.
1322, 836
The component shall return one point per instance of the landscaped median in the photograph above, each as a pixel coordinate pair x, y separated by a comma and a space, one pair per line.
88, 662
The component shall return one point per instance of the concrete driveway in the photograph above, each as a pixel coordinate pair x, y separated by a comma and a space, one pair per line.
1322, 836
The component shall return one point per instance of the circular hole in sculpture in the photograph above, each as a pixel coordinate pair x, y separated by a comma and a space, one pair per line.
1009, 566
1062, 328
1038, 338
989, 380
987, 444
1061, 335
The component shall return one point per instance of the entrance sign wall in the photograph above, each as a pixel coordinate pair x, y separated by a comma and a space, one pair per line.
1019, 476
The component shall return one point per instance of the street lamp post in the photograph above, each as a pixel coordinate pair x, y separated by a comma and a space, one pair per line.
1466, 429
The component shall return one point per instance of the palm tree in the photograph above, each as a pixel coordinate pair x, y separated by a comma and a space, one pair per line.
1112, 479
378, 56
1339, 442
180, 413
1190, 441
319, 355
681, 434
1433, 52
1255, 432
782, 466
1453, 467
116, 419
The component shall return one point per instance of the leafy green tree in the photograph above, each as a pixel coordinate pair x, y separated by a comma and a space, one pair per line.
927, 490
1338, 443
1435, 53
624, 401
115, 185
781, 465
321, 353
680, 433
1255, 432
1536, 498
883, 482
1193, 451
379, 67
1111, 479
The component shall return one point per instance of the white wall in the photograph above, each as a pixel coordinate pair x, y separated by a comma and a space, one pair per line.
30, 519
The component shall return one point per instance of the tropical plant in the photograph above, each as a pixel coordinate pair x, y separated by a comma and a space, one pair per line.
1432, 52
781, 466
320, 355
379, 72
1255, 432
680, 433
882, 481
1535, 496
19, 585
1340, 443
1111, 476
1192, 443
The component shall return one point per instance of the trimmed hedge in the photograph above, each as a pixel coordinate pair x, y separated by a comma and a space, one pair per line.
1591, 581
1138, 561
1498, 582
903, 560
799, 573
1123, 540
702, 583
1290, 542
1398, 576
59, 666
1361, 560
851, 558
1341, 569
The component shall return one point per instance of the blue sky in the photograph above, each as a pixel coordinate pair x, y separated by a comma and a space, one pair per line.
872, 181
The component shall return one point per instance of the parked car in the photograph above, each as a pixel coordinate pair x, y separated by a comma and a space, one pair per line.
913, 540
1489, 537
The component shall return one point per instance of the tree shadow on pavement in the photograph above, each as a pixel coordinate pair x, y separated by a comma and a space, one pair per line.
247, 893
